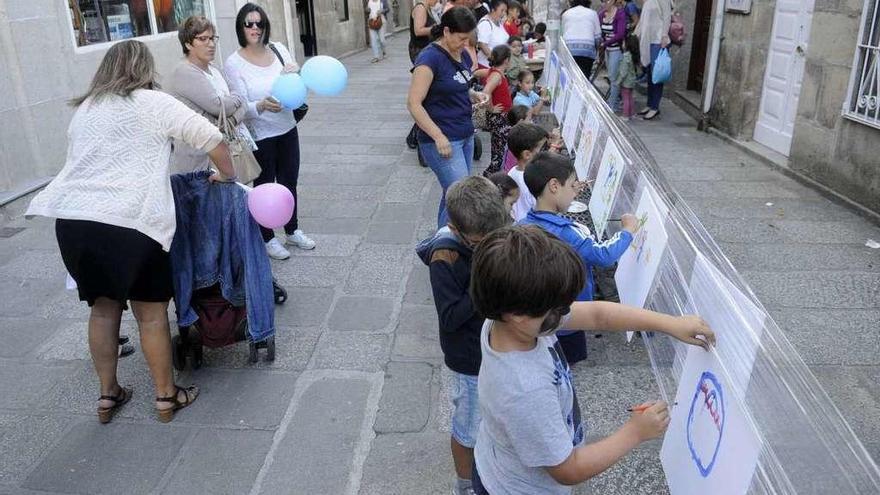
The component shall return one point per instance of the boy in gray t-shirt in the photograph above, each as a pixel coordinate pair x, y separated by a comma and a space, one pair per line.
531, 439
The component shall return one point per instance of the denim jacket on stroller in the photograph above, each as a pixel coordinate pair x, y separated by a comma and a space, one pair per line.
218, 242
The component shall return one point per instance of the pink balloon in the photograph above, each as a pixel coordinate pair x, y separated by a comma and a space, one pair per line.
271, 205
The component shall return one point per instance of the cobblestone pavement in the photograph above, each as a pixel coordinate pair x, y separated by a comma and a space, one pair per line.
356, 402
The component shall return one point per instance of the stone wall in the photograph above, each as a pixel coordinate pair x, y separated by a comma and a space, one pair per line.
835, 151
40, 70
741, 64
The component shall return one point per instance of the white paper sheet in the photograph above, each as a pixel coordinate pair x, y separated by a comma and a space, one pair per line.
710, 446
552, 71
638, 265
560, 95
572, 120
604, 191
737, 322
589, 136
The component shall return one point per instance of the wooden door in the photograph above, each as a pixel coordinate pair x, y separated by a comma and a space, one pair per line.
702, 25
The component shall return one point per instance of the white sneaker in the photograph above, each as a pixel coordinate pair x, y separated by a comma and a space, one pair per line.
300, 240
276, 250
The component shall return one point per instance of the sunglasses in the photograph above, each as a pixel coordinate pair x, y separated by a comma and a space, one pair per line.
254, 24
555, 319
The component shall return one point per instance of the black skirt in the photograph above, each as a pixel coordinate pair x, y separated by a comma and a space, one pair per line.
114, 262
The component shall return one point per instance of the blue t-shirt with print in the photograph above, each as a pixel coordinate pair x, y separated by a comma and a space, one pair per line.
447, 102
526, 100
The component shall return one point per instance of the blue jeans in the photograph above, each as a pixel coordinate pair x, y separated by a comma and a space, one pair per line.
655, 91
377, 41
612, 61
448, 170
465, 409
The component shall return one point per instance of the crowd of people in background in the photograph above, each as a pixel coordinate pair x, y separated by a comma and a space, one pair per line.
505, 295
480, 71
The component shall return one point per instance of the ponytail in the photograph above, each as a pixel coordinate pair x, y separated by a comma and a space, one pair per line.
499, 55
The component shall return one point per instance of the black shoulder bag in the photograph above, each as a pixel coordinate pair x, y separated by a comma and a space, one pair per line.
299, 113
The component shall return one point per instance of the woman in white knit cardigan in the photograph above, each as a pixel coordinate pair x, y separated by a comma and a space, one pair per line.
653, 33
115, 214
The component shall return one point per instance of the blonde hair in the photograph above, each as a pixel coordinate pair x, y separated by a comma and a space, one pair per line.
127, 66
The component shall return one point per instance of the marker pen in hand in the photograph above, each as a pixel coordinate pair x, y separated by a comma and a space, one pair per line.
643, 408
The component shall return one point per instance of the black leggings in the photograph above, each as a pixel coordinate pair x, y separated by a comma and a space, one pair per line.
586, 65
279, 158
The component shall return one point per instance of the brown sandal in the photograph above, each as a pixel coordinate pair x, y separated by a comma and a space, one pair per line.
105, 414
166, 415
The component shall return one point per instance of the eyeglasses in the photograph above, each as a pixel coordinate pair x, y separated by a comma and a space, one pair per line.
205, 39
554, 319
254, 24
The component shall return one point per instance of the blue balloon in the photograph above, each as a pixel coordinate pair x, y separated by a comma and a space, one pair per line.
289, 90
324, 75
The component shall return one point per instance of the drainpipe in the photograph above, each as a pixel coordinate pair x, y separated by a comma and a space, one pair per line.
713, 58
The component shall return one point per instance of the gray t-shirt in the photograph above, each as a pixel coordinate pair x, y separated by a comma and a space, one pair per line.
530, 417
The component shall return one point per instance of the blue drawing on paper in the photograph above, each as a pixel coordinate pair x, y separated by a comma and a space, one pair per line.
705, 423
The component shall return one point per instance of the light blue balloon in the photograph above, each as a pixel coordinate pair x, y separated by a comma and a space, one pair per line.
324, 75
290, 90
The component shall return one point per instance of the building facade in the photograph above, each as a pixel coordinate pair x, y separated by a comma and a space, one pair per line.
798, 77
50, 49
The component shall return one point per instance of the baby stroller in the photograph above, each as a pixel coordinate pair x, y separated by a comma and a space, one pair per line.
220, 324
224, 292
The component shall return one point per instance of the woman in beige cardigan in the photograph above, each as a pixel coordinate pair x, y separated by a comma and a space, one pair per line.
202, 87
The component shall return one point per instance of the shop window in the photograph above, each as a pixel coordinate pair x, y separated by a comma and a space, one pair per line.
341, 9
863, 103
101, 21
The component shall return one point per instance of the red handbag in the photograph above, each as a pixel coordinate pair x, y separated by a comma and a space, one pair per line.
677, 33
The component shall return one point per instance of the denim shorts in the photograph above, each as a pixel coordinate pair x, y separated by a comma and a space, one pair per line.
465, 409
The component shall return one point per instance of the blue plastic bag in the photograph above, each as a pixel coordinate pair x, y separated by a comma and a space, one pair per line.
662, 69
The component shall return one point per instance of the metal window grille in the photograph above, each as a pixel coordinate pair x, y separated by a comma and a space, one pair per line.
863, 103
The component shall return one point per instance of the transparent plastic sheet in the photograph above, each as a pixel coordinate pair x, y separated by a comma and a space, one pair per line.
806, 445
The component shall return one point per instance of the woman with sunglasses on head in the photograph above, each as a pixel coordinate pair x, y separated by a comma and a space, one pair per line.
251, 71
201, 86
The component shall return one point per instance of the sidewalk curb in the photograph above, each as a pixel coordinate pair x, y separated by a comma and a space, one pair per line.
782, 166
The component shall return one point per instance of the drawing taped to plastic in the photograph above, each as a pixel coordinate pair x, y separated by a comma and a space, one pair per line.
552, 70
705, 423
560, 95
572, 120
605, 188
710, 446
638, 265
589, 134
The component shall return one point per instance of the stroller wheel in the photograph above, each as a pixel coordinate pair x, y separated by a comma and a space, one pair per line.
252, 347
178, 353
197, 356
280, 293
270, 349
